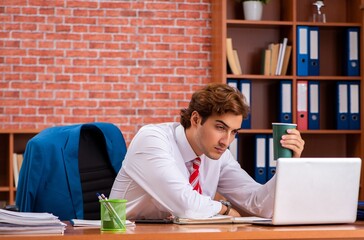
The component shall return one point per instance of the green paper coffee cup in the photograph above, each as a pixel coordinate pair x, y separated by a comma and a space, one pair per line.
113, 217
280, 129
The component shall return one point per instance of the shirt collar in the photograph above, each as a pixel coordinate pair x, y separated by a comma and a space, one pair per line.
183, 145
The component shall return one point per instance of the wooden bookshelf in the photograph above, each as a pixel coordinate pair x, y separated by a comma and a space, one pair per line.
11, 141
280, 19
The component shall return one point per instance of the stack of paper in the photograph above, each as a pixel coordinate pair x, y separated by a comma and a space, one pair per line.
15, 223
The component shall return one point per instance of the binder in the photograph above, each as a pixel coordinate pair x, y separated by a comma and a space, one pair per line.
302, 50
234, 148
270, 158
260, 172
314, 62
352, 52
245, 88
354, 105
285, 105
302, 105
313, 105
342, 114
233, 83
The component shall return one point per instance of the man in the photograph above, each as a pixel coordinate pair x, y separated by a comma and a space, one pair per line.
156, 172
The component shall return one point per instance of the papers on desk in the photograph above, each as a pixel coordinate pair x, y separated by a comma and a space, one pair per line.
94, 223
19, 223
217, 219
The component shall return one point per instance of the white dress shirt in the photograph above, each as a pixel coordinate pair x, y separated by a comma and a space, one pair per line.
154, 179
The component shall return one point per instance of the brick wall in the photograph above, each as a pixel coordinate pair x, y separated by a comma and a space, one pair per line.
126, 62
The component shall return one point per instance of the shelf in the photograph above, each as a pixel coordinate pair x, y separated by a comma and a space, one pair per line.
11, 141
250, 38
321, 132
321, 78
263, 24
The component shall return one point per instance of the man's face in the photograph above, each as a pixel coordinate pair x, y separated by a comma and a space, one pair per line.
215, 135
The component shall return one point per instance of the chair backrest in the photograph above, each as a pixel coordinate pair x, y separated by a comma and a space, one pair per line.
96, 173
65, 166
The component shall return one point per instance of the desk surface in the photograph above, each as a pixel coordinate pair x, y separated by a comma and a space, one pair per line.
215, 231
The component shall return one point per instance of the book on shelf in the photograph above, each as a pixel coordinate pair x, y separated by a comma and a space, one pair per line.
236, 58
217, 219
15, 170
282, 50
17, 163
231, 58
21, 223
267, 54
286, 58
276, 58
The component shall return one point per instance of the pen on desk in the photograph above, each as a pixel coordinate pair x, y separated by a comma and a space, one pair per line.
110, 209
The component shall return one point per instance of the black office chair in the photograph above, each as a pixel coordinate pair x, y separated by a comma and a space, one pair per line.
64, 167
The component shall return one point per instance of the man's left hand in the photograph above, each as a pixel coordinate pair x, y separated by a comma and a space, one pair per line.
293, 141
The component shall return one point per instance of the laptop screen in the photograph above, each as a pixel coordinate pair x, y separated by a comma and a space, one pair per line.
316, 190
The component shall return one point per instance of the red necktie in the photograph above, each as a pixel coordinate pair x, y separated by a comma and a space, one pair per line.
194, 175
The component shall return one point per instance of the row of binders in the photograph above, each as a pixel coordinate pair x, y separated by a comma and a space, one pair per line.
244, 86
276, 58
308, 51
308, 104
348, 105
264, 162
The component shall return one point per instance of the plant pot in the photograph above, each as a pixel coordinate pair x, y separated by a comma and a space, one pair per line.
253, 10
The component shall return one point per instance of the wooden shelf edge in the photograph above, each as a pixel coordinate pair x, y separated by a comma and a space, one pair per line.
330, 24
321, 131
321, 78
4, 189
19, 131
263, 23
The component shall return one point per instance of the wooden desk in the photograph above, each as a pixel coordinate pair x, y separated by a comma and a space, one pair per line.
201, 232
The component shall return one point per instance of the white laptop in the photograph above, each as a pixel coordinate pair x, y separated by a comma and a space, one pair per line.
316, 191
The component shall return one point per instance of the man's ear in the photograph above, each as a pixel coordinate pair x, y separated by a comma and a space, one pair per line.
195, 118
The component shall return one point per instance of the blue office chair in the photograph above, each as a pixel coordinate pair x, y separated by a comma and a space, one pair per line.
65, 166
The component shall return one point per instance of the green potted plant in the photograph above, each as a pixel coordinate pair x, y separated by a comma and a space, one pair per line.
253, 9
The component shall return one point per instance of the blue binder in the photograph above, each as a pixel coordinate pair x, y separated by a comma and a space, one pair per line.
233, 83
342, 113
302, 50
260, 170
271, 163
354, 105
313, 105
285, 103
245, 88
314, 49
352, 64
